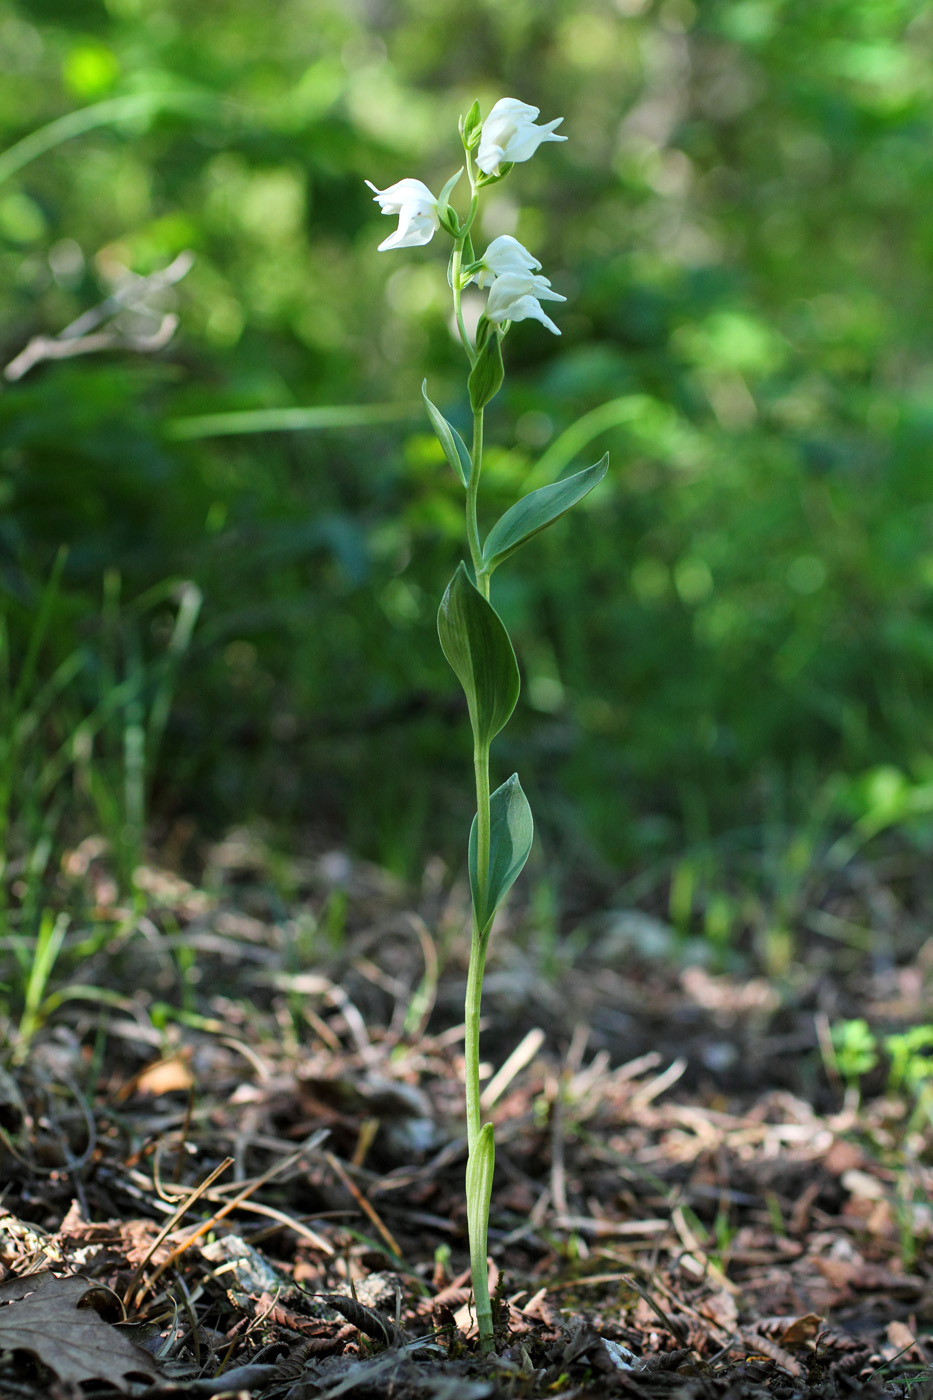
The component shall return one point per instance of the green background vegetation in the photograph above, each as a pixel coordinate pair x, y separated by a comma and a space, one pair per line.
732, 637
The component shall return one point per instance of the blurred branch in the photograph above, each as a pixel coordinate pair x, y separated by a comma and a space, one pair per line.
85, 119
82, 337
278, 420
572, 440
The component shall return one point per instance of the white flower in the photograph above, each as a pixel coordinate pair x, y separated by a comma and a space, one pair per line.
417, 213
509, 134
505, 254
517, 296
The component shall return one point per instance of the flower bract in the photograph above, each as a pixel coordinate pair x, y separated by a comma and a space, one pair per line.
509, 134
517, 296
416, 208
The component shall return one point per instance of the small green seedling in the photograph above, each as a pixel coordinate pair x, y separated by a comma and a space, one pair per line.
911, 1055
857, 1050
855, 1047
472, 634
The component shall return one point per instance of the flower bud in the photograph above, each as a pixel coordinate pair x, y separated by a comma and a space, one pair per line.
470, 126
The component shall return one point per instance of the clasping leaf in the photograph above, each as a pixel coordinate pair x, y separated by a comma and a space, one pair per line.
480, 1167
534, 512
511, 831
476, 644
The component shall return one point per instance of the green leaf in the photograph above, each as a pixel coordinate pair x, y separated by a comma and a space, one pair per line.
476, 644
534, 512
488, 372
455, 449
511, 831
447, 215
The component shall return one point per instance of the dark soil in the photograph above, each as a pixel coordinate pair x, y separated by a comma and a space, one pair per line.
252, 1151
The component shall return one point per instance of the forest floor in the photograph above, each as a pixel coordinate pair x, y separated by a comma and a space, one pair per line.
232, 1154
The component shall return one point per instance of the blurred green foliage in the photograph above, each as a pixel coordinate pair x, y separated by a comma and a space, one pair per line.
741, 222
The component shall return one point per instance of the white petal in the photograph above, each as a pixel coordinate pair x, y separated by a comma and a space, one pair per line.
526, 142
542, 289
416, 226
528, 308
510, 109
489, 156
402, 192
506, 254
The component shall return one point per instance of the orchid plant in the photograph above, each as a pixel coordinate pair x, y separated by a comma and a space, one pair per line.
472, 634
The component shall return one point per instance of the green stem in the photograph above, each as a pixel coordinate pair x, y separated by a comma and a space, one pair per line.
455, 266
457, 262
478, 1226
471, 1045
481, 776
483, 821
480, 939
478, 1216
474, 194
472, 523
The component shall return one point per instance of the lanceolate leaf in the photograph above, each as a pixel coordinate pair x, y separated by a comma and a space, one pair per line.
455, 449
534, 512
477, 646
510, 836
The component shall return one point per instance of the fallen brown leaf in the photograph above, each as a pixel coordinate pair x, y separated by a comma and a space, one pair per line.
41, 1314
166, 1076
801, 1330
902, 1338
